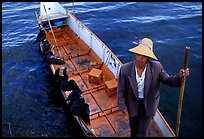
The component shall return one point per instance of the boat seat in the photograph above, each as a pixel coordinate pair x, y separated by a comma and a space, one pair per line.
111, 87
95, 76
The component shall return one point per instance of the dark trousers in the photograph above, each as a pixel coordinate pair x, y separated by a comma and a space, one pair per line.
139, 124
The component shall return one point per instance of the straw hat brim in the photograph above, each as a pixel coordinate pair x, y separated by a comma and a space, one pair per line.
140, 49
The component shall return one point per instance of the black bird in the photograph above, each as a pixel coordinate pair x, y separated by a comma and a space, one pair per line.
50, 58
44, 47
63, 82
77, 105
41, 36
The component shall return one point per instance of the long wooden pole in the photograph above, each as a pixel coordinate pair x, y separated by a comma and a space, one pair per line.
36, 15
73, 8
183, 82
52, 31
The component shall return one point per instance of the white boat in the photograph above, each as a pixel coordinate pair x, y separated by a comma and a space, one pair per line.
82, 52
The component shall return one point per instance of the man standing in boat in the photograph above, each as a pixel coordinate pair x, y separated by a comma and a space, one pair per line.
139, 87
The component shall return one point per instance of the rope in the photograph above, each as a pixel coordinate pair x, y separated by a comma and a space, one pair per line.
9, 128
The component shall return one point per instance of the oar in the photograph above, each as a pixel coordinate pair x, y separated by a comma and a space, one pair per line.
183, 82
52, 31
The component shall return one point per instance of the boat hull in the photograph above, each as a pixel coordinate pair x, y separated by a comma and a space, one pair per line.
82, 51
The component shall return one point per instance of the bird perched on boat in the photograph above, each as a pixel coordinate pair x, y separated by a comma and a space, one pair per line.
51, 58
63, 83
44, 47
41, 36
59, 79
77, 105
48, 55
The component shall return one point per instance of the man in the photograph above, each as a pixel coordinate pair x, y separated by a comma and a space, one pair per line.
139, 87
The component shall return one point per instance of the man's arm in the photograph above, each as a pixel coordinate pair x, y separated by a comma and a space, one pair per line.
121, 90
174, 81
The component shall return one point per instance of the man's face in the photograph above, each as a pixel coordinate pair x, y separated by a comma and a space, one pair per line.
141, 60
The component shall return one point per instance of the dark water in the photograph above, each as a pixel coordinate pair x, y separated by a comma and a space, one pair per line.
29, 104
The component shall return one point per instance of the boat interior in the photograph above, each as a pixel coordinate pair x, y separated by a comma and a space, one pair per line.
95, 80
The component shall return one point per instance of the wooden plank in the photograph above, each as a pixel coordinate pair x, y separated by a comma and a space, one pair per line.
92, 104
79, 81
102, 127
119, 121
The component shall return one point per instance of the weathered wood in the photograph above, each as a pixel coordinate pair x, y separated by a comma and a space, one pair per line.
183, 82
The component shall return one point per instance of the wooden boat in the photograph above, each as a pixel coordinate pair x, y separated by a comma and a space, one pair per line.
95, 69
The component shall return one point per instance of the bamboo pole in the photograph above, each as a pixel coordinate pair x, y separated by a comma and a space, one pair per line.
183, 82
36, 15
73, 8
52, 31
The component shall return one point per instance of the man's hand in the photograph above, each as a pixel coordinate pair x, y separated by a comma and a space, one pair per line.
183, 73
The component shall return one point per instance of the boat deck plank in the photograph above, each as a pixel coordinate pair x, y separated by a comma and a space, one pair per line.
119, 121
79, 81
103, 129
60, 52
104, 101
95, 108
82, 62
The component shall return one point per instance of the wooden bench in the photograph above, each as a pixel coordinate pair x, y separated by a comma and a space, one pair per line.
111, 87
95, 76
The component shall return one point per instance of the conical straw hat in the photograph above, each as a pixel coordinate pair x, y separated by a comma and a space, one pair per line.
145, 48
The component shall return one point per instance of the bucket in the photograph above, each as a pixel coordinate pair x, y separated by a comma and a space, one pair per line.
58, 22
